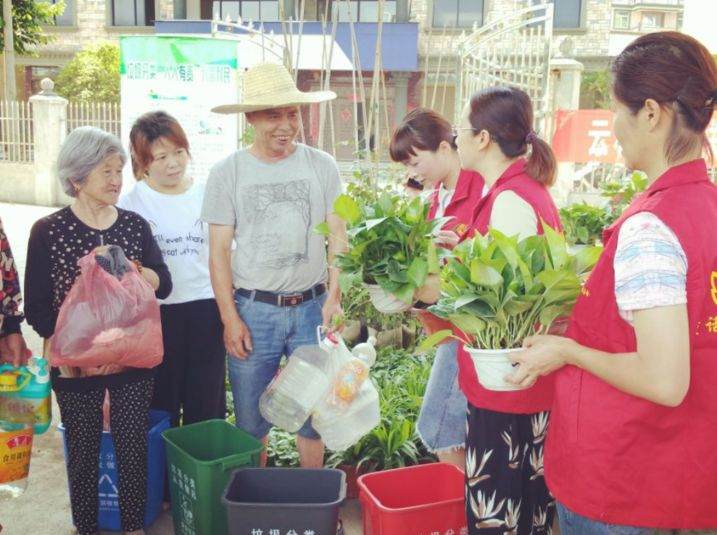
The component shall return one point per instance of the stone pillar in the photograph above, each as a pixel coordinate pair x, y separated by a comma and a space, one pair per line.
49, 122
566, 75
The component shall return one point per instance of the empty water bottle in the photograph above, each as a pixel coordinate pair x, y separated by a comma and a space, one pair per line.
349, 378
341, 427
289, 399
351, 407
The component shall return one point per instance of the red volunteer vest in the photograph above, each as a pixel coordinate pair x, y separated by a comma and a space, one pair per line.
469, 191
620, 459
539, 396
467, 195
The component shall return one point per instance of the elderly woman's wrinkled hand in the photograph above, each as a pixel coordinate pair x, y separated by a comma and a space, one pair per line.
543, 355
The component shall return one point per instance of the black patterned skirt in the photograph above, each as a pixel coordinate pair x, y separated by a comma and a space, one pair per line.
505, 487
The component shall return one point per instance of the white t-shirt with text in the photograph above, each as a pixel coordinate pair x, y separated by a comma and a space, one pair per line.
181, 235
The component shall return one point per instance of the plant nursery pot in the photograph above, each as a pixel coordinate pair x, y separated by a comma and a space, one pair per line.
351, 332
385, 302
492, 366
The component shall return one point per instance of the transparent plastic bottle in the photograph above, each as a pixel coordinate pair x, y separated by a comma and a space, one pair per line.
16, 433
289, 399
341, 427
351, 407
346, 383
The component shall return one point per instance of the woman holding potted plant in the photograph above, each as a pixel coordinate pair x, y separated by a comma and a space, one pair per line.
634, 423
424, 143
504, 444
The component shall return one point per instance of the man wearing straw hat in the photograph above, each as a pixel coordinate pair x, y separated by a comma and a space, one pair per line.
276, 287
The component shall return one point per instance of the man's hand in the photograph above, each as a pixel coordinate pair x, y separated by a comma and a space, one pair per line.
237, 338
332, 308
13, 349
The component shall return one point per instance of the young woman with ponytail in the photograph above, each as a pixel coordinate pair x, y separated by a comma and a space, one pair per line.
505, 489
631, 445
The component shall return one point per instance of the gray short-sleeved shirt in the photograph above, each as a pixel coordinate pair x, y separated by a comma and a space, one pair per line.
274, 208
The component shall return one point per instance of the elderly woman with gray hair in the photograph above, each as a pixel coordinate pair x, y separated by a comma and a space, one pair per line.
89, 167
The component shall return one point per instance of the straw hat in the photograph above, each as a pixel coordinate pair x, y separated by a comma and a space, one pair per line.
267, 86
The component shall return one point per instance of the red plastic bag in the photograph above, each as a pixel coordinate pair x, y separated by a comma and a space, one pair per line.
104, 320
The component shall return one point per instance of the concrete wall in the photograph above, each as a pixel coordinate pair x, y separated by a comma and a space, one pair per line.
17, 183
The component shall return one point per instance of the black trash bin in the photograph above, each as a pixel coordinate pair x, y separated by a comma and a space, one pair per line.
259, 500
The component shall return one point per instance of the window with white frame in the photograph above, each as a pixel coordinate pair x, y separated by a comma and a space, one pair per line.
364, 10
621, 20
457, 13
266, 10
653, 20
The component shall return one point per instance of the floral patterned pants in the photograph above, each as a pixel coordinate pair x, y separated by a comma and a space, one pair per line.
505, 488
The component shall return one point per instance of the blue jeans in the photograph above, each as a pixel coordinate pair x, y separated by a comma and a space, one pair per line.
442, 421
575, 524
275, 331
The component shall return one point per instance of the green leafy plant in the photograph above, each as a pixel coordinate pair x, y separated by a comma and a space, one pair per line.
583, 223
498, 290
390, 243
400, 379
28, 19
595, 90
621, 193
93, 75
281, 449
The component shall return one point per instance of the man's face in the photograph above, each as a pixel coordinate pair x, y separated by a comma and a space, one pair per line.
275, 130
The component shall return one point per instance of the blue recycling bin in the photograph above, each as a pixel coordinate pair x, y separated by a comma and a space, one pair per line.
108, 517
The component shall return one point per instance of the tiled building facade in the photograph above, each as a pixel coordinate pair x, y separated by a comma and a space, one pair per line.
587, 30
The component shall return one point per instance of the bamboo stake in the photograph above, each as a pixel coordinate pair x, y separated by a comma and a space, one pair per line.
362, 88
427, 57
440, 62
335, 16
354, 98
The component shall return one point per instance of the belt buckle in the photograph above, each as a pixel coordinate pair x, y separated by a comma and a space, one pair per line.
291, 300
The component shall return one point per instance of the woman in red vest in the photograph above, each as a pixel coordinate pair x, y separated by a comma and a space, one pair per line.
423, 142
505, 490
633, 430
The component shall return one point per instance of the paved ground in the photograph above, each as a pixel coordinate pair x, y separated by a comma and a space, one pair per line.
44, 509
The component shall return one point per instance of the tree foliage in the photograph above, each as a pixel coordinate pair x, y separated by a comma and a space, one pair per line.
28, 19
595, 90
92, 75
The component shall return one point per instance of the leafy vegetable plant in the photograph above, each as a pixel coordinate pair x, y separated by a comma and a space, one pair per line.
583, 223
621, 194
390, 243
498, 290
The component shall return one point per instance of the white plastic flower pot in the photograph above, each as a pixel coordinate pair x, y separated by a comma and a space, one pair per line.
385, 302
493, 366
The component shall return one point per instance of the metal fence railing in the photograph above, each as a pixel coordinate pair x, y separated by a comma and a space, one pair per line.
16, 139
104, 115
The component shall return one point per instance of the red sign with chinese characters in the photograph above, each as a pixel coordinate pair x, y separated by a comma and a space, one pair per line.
583, 136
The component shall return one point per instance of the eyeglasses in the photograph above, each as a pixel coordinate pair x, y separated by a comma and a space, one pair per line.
456, 130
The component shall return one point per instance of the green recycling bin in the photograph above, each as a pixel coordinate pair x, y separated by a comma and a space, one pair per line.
200, 460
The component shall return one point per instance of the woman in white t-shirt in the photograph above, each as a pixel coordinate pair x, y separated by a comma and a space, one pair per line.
190, 381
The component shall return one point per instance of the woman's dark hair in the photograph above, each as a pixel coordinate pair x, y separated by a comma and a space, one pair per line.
422, 129
148, 129
506, 113
677, 71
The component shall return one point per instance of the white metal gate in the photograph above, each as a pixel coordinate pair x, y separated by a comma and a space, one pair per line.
514, 50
